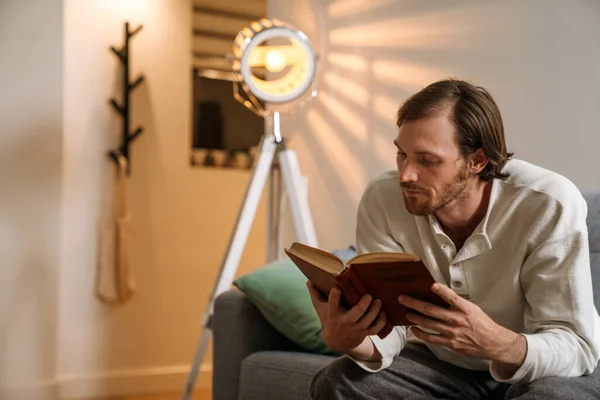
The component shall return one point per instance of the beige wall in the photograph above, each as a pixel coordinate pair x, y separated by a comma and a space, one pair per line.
31, 94
182, 216
56, 77
538, 58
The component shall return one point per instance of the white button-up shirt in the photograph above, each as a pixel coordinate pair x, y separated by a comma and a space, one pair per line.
526, 266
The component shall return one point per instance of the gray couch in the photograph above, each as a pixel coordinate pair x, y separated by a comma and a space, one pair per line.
253, 361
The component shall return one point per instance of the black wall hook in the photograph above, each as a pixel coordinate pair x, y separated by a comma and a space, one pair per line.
124, 108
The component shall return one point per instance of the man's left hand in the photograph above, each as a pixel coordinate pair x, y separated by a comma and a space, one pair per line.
465, 328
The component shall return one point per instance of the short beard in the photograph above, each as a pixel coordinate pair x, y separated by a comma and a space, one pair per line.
453, 192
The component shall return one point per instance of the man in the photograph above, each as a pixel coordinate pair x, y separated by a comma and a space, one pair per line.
506, 242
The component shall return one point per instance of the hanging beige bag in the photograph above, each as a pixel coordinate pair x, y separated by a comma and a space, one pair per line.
113, 281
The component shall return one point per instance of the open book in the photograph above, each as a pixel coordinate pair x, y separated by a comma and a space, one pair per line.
384, 276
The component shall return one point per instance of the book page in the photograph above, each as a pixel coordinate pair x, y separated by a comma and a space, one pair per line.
382, 257
317, 257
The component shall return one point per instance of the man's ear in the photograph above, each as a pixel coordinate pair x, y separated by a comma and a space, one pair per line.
477, 162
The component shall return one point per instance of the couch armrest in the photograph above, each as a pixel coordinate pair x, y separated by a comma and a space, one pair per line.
239, 329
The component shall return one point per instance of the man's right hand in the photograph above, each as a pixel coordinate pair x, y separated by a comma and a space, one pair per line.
345, 330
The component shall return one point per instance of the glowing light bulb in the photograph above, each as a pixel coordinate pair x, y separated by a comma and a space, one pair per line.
275, 60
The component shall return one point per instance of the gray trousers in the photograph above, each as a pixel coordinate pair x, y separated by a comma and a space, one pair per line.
417, 374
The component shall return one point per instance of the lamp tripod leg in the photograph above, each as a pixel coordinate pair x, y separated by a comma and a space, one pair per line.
273, 217
298, 197
198, 357
235, 249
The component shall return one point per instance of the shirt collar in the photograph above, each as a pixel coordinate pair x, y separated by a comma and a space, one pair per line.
482, 227
479, 241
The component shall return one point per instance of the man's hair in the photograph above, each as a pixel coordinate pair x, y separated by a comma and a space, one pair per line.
473, 112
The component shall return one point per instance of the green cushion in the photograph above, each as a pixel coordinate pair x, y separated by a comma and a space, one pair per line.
279, 291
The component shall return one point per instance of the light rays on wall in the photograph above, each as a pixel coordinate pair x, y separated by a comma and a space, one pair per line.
368, 68
352, 122
350, 62
347, 166
385, 107
405, 75
428, 27
352, 91
398, 34
320, 177
343, 8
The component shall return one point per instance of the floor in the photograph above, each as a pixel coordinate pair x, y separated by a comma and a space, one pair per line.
199, 395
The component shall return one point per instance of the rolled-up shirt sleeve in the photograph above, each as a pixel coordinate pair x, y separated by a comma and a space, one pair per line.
560, 316
372, 236
389, 348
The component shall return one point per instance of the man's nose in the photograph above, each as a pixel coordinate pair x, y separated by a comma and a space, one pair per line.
407, 173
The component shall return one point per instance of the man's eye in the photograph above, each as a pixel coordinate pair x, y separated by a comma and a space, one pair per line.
401, 153
425, 161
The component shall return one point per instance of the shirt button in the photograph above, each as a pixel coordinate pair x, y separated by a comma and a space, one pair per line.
445, 247
457, 265
457, 284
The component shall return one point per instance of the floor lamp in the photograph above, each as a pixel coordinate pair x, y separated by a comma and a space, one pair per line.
274, 64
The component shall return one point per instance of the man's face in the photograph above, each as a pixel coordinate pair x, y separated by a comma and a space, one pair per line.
432, 172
